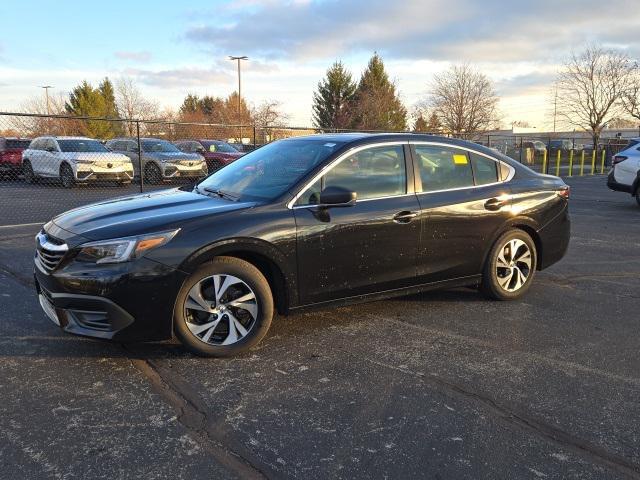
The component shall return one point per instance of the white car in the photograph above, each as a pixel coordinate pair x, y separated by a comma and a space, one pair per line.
625, 170
74, 160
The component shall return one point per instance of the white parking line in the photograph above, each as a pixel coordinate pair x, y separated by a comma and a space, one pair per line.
22, 225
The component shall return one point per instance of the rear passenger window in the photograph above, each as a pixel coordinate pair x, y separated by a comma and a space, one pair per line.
443, 168
484, 169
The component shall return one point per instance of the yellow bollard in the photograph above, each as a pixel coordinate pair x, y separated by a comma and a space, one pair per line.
593, 161
544, 161
582, 164
571, 163
603, 158
558, 163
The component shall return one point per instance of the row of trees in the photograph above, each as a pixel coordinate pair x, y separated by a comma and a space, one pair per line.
596, 88
462, 100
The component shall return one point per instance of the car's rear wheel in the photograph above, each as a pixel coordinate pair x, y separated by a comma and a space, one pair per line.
27, 171
66, 176
225, 307
637, 195
510, 266
152, 174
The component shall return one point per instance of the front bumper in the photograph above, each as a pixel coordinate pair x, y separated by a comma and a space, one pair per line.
131, 301
173, 170
99, 173
618, 187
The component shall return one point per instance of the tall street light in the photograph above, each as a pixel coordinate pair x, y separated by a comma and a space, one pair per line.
46, 94
239, 59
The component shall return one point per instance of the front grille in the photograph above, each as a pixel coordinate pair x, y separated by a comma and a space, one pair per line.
49, 251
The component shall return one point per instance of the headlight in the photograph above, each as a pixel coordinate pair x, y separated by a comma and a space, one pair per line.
120, 250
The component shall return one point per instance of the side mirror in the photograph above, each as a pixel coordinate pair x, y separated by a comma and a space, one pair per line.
337, 197
51, 150
200, 150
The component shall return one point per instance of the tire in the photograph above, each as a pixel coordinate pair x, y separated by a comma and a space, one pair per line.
208, 331
27, 172
505, 282
637, 195
66, 176
152, 174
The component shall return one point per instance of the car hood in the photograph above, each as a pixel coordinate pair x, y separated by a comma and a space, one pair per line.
139, 214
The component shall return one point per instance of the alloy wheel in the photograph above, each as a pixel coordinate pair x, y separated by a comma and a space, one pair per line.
221, 309
513, 265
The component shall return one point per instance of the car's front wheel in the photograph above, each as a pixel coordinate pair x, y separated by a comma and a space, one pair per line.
67, 178
152, 174
510, 267
225, 307
27, 171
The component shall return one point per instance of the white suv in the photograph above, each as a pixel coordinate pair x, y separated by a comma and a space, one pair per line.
625, 170
74, 160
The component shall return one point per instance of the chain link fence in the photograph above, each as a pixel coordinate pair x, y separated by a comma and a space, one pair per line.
50, 164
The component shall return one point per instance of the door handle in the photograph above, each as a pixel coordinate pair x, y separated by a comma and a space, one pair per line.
404, 217
494, 204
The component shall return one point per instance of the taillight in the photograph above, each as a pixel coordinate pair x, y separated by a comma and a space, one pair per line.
617, 159
564, 191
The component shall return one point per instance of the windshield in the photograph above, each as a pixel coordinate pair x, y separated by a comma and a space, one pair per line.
11, 143
219, 147
270, 171
159, 146
81, 146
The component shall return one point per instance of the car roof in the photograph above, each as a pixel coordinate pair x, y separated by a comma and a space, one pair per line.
63, 137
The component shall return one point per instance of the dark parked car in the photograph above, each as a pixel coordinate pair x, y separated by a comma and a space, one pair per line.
11, 149
302, 222
216, 152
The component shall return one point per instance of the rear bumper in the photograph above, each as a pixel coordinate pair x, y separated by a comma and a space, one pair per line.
125, 302
554, 239
618, 187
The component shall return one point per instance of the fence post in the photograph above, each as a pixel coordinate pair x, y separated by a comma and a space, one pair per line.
593, 161
571, 161
604, 156
520, 148
558, 156
139, 156
582, 163
544, 161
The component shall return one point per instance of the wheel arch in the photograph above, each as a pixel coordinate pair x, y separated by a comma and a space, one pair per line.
525, 224
264, 256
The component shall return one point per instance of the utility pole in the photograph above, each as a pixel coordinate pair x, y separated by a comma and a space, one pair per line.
239, 59
555, 110
46, 94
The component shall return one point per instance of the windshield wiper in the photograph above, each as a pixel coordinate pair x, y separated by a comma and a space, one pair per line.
221, 193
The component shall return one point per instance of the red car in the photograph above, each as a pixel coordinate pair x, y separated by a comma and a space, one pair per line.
216, 152
11, 154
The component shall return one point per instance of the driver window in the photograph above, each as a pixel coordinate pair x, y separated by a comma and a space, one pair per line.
372, 173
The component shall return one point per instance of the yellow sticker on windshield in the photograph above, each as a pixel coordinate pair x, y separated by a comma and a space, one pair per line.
460, 159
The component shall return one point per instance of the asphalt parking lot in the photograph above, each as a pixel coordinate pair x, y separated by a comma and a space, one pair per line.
437, 385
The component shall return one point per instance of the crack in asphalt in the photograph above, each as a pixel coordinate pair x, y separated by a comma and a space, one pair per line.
192, 414
530, 424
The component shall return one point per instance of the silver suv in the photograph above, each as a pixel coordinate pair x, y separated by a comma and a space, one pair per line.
161, 160
74, 160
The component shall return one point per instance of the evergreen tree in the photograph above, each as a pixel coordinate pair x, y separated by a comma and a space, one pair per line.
106, 90
376, 104
86, 101
420, 125
190, 105
332, 100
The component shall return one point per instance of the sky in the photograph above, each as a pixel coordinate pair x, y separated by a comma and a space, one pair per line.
171, 48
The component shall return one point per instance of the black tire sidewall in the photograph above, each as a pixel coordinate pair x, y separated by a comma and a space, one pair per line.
490, 286
152, 174
28, 173
66, 173
248, 274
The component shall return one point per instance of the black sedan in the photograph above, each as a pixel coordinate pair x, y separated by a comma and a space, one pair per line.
303, 222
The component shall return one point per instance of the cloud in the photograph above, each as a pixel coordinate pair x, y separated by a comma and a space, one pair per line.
182, 77
492, 30
140, 57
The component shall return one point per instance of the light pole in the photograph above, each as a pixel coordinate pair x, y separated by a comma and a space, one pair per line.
239, 59
46, 94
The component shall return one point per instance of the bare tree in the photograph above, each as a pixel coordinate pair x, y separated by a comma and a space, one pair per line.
267, 117
132, 104
464, 100
36, 126
590, 89
631, 97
